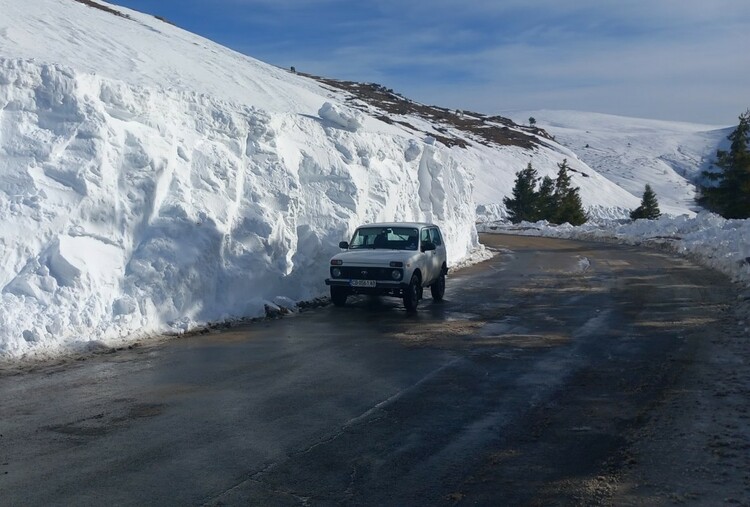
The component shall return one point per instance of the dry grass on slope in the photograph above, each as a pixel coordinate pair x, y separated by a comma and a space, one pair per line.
104, 8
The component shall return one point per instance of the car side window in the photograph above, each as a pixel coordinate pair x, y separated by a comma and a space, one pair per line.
435, 235
425, 235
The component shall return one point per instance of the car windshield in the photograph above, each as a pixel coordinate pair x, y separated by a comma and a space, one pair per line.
385, 238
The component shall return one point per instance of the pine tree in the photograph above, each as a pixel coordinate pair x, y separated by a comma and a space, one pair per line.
649, 207
524, 204
547, 204
730, 197
570, 209
562, 183
569, 204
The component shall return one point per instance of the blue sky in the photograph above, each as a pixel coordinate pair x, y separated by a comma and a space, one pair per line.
667, 59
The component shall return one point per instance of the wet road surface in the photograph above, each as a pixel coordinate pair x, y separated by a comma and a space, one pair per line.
522, 387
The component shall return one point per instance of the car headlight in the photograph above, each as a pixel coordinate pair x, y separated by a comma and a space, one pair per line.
396, 274
336, 272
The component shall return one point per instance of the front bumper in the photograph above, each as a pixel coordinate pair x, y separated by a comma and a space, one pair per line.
380, 285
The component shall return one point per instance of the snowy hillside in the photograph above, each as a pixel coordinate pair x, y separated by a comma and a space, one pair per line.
151, 180
632, 152
494, 149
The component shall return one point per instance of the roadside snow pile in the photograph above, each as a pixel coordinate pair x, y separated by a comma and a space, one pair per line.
711, 240
130, 211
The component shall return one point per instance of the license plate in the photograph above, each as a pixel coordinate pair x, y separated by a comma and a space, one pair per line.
362, 283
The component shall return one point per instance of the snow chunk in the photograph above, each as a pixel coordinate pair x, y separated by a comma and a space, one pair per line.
583, 264
344, 118
413, 151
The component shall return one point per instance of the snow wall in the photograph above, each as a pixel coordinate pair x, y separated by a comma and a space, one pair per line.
128, 211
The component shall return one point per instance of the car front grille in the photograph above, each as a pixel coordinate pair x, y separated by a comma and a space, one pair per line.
366, 273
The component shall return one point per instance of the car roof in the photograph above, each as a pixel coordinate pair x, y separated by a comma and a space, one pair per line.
416, 225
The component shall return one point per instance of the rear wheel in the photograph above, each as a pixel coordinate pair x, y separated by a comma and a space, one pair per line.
438, 288
338, 295
411, 294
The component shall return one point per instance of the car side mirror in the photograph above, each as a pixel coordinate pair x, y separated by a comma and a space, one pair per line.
344, 245
427, 246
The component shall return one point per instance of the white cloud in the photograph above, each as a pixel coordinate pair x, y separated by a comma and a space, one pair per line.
671, 59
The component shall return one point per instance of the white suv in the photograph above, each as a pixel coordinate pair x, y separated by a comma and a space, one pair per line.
395, 259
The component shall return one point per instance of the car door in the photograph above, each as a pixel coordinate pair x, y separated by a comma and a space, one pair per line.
439, 254
429, 257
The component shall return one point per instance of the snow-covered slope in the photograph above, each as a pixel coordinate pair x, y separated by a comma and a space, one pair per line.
632, 152
496, 175
494, 148
151, 180
145, 52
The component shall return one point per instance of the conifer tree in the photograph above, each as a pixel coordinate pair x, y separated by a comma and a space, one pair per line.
547, 204
730, 197
562, 183
568, 201
523, 205
649, 207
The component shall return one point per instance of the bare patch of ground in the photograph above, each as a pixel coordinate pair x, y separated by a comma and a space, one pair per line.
104, 8
454, 126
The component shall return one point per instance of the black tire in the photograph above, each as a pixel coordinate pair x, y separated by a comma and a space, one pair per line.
411, 294
339, 295
438, 288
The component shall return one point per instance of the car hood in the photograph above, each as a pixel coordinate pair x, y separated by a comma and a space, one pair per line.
375, 257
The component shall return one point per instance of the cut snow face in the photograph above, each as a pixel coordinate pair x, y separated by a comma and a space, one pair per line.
129, 211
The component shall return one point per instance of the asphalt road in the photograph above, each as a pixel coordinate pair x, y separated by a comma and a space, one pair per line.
525, 386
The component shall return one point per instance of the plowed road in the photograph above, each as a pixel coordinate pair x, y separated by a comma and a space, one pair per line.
557, 373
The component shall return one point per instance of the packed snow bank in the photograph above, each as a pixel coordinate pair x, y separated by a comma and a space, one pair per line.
129, 210
711, 240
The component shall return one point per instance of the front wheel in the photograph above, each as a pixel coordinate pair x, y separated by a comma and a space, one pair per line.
411, 294
338, 295
438, 288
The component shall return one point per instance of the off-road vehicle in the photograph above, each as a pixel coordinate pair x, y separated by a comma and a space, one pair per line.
396, 259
